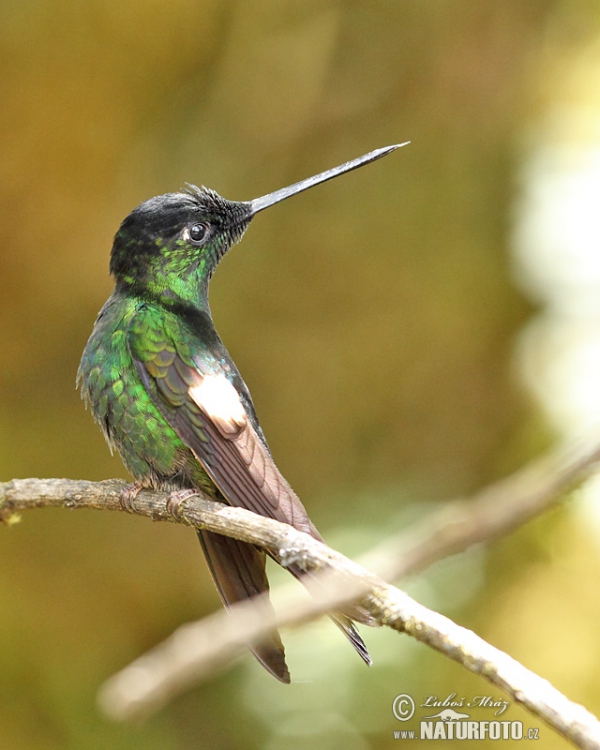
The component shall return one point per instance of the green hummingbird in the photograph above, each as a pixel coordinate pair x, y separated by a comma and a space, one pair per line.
169, 398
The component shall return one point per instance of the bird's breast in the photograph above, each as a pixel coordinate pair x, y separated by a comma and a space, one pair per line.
120, 403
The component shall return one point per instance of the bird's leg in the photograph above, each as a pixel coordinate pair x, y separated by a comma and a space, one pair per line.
128, 495
176, 499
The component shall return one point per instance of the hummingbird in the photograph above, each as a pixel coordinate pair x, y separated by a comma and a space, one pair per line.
169, 398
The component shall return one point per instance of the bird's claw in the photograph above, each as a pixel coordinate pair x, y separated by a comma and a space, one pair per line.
128, 495
175, 501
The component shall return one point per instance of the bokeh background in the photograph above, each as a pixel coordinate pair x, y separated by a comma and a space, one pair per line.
410, 332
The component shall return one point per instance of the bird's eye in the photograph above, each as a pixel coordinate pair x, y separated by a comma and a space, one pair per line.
198, 233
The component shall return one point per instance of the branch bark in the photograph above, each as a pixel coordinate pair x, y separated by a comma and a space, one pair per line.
196, 649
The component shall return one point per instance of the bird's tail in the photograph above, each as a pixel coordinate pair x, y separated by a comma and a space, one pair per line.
238, 570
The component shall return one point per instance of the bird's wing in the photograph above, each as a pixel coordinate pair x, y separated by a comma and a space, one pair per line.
205, 409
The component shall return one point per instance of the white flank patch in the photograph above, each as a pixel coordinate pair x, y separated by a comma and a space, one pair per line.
219, 400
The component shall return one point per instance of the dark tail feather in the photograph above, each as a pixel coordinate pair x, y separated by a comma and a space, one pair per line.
346, 625
238, 570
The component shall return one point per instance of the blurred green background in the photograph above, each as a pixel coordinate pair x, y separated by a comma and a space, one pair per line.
376, 320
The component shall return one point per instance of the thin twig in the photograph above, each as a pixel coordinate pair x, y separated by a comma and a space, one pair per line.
493, 512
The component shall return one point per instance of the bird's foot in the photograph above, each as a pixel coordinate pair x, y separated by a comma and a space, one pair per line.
128, 495
176, 499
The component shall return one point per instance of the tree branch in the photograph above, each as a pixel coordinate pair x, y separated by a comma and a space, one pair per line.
189, 652
493, 512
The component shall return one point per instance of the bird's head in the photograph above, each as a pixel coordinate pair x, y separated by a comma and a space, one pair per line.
169, 246
173, 238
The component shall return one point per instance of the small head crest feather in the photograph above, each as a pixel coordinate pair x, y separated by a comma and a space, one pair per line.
207, 199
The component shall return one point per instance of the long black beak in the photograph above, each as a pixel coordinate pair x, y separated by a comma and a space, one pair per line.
258, 204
